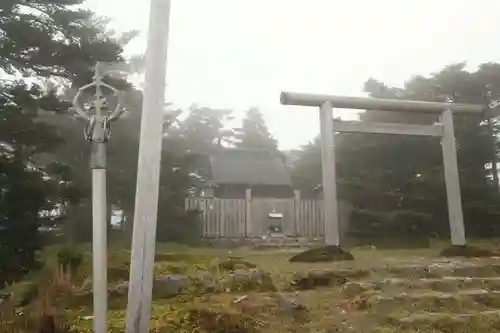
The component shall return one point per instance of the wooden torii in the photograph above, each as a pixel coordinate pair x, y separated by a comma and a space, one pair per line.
444, 130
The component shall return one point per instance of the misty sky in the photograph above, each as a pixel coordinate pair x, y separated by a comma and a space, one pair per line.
240, 53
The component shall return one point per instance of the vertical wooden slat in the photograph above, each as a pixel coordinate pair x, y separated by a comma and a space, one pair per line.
206, 221
318, 221
315, 219
305, 219
220, 221
226, 218
207, 215
224, 211
202, 216
294, 216
294, 212
241, 218
321, 204
220, 218
230, 219
303, 223
213, 217
240, 223
300, 221
217, 225
310, 220
237, 224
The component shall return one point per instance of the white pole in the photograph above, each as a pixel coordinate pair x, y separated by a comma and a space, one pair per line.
99, 212
328, 167
452, 180
99, 250
148, 173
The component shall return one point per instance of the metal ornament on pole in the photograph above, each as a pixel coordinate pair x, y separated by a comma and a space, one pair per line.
98, 132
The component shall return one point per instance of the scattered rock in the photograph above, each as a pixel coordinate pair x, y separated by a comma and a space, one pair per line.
234, 263
353, 273
443, 285
170, 285
414, 271
249, 280
207, 283
289, 304
314, 279
482, 321
116, 297
322, 254
475, 270
352, 289
122, 287
468, 252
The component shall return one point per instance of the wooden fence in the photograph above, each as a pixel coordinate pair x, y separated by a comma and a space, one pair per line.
238, 218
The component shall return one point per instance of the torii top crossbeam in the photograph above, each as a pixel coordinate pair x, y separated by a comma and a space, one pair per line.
302, 99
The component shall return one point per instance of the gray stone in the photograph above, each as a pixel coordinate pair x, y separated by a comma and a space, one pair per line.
122, 287
289, 304
246, 280
206, 282
352, 289
170, 285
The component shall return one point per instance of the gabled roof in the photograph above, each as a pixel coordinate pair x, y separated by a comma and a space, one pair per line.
249, 167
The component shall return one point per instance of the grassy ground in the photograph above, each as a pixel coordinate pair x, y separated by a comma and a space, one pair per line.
245, 291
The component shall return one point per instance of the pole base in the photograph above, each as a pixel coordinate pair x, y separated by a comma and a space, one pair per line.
468, 252
328, 253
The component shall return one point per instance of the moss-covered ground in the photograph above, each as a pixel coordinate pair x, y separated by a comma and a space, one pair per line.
244, 291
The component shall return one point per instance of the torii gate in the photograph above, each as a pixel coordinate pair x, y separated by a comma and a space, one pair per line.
444, 130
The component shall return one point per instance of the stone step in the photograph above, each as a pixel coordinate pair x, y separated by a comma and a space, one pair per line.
285, 242
482, 321
467, 300
445, 283
437, 270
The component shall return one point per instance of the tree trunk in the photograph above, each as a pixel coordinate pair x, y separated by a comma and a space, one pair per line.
127, 228
70, 219
345, 210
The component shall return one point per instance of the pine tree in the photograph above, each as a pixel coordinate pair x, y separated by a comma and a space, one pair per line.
45, 41
254, 133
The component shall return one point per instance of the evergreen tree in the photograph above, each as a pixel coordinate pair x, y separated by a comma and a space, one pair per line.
44, 41
254, 133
